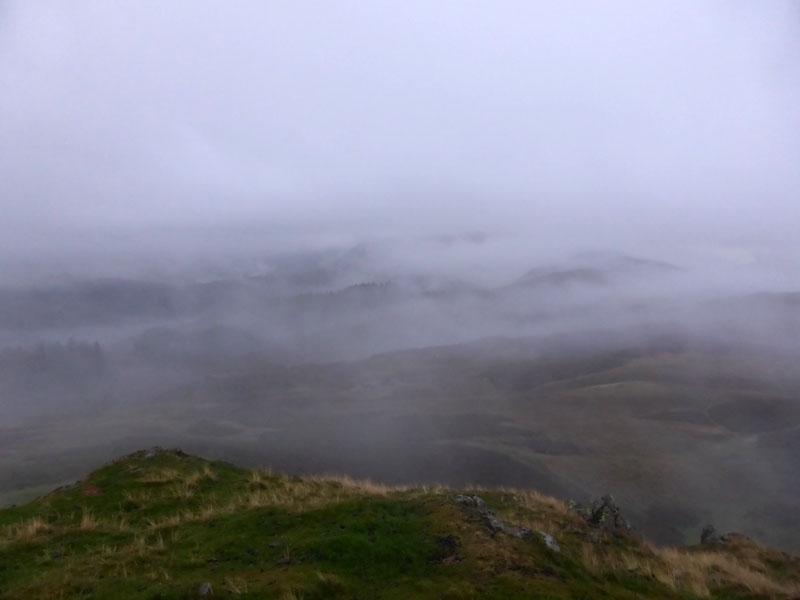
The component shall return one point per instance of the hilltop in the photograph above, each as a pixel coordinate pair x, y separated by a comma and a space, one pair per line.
164, 524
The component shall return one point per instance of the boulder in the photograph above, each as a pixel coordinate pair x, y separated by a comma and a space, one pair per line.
473, 501
550, 541
494, 523
603, 513
205, 590
709, 535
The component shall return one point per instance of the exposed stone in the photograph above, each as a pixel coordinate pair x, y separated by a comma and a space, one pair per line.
205, 590
518, 532
709, 535
473, 501
493, 522
603, 513
550, 541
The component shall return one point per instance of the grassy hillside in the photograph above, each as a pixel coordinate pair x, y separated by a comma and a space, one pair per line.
162, 524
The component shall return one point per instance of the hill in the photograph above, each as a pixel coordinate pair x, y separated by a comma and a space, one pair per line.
163, 524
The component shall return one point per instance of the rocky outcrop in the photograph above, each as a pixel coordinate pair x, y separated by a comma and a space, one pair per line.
709, 536
603, 513
493, 522
550, 541
496, 525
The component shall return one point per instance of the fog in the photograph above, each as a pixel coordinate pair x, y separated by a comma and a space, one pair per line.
501, 243
144, 132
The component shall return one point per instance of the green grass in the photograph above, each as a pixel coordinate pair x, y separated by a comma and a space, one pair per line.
160, 524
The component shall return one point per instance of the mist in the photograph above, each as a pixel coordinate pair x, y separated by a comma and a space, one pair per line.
546, 246
165, 134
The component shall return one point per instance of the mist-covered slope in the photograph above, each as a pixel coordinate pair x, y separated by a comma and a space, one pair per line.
638, 379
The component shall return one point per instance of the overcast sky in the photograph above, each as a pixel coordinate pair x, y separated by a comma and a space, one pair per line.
124, 125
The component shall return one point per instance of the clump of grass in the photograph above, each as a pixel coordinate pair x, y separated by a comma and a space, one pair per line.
330, 586
258, 478
143, 545
28, 529
196, 477
170, 521
162, 475
183, 490
364, 486
532, 499
236, 586
88, 521
701, 571
683, 570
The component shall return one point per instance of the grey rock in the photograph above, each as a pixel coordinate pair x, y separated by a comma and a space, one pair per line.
709, 535
550, 541
494, 523
205, 590
517, 532
603, 513
473, 501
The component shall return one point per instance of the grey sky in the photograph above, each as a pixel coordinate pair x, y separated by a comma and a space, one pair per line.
588, 121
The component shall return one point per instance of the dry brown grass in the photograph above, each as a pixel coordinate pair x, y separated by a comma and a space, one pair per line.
122, 524
170, 521
701, 570
364, 486
533, 510
531, 499
259, 478
35, 527
183, 485
161, 476
683, 570
270, 491
143, 545
235, 586
193, 479
27, 530
88, 521
183, 490
139, 497
208, 473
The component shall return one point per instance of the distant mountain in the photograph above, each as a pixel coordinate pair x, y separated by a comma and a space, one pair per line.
594, 269
85, 302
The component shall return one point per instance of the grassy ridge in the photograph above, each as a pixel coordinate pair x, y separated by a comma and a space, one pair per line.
160, 524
